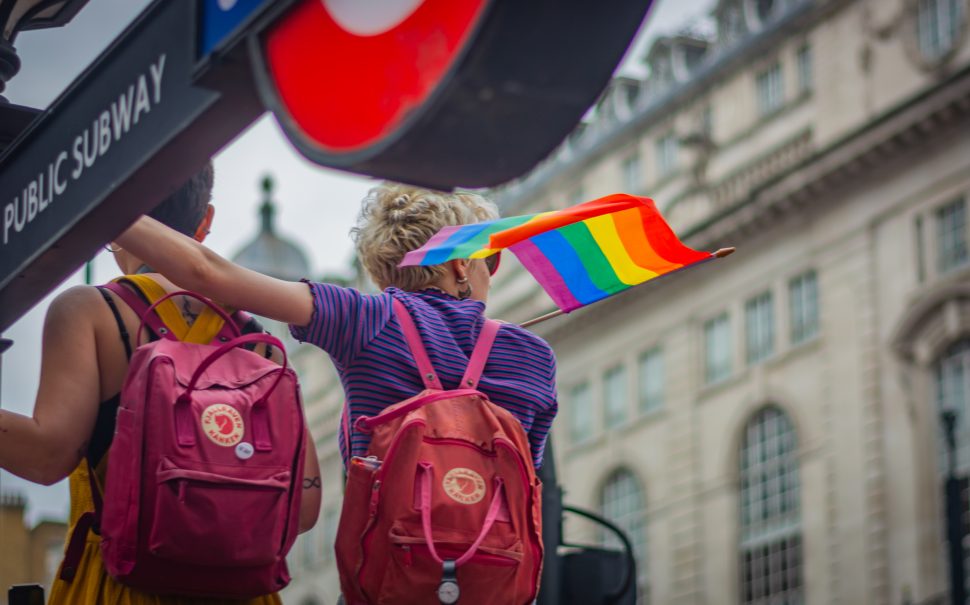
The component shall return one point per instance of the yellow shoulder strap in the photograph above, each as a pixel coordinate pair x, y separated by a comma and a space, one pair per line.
205, 327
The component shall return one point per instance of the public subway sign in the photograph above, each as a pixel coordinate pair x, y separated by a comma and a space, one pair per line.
441, 93
107, 128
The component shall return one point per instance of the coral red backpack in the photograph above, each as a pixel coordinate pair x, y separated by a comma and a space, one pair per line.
446, 505
203, 488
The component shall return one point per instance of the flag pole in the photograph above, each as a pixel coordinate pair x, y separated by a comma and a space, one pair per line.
537, 320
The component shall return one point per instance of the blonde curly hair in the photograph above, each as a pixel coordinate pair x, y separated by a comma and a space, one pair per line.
395, 219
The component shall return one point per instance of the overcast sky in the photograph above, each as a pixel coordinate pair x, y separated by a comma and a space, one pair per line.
317, 206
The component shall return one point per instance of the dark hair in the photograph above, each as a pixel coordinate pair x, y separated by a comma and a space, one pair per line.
186, 207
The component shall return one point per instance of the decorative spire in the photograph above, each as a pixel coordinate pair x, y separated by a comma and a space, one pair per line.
267, 210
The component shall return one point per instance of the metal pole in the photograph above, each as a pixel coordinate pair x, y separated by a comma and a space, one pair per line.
5, 343
551, 584
954, 515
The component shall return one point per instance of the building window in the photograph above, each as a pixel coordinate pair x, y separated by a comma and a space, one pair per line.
771, 90
717, 349
938, 24
667, 149
632, 176
803, 296
707, 123
651, 380
759, 328
805, 76
920, 251
581, 413
622, 502
951, 235
953, 392
308, 549
770, 549
764, 9
614, 396
331, 518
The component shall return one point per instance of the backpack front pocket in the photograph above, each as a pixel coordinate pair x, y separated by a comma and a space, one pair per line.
489, 574
222, 520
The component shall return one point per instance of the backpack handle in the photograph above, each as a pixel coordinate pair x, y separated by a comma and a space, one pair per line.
167, 334
184, 426
425, 470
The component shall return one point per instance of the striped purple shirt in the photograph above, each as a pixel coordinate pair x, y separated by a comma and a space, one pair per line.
365, 342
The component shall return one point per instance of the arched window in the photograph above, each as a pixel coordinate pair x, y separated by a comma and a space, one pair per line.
953, 387
953, 394
771, 536
622, 502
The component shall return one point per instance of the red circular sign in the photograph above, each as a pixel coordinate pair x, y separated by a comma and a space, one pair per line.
347, 79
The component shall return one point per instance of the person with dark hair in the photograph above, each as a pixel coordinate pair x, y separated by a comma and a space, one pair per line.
89, 336
189, 207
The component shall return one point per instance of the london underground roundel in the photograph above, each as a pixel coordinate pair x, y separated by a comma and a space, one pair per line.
348, 72
441, 93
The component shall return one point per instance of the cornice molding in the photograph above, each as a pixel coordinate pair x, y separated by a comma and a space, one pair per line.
723, 65
856, 156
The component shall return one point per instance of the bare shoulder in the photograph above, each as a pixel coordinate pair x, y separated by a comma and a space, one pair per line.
78, 303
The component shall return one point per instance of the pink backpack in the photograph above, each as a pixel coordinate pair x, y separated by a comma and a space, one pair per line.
203, 489
446, 505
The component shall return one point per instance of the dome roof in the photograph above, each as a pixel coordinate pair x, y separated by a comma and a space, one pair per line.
268, 252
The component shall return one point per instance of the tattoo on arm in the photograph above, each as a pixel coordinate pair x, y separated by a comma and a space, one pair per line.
187, 311
312, 482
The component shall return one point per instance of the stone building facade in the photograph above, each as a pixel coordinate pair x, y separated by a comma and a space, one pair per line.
28, 555
767, 427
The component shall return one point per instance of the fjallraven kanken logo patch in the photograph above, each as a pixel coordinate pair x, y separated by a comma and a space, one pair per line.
222, 424
464, 485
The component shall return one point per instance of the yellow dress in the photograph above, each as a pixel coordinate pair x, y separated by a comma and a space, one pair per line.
91, 584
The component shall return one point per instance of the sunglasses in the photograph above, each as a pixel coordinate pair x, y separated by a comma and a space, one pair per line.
492, 262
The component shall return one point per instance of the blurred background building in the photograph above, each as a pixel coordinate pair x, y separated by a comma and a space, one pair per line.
28, 555
767, 427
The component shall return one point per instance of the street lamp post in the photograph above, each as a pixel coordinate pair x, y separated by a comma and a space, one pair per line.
954, 514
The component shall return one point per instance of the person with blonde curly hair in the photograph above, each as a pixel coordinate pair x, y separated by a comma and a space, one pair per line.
360, 331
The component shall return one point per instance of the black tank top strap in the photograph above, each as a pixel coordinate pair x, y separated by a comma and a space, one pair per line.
125, 338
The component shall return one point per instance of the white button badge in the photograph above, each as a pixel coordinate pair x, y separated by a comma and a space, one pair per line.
244, 451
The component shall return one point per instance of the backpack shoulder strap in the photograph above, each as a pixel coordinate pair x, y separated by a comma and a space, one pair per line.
207, 327
139, 306
122, 329
413, 339
480, 354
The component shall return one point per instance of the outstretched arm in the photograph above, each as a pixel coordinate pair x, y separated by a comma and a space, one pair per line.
46, 447
194, 267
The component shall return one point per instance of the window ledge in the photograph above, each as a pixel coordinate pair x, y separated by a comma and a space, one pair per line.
710, 389
805, 347
644, 418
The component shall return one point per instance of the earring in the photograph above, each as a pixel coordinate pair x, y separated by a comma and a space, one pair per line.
465, 292
112, 250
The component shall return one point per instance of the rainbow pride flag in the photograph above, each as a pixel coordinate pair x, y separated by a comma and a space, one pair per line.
578, 255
